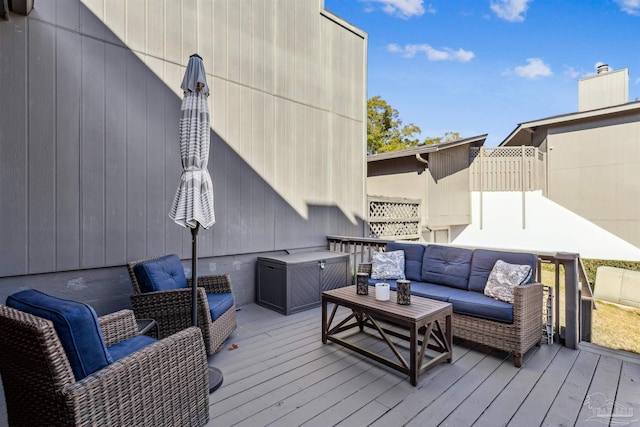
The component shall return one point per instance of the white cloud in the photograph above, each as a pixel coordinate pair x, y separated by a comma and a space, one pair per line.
446, 54
512, 10
402, 8
571, 72
632, 7
534, 69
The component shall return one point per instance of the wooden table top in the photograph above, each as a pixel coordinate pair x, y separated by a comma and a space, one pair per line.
419, 308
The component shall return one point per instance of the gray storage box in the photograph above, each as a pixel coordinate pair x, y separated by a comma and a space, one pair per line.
292, 283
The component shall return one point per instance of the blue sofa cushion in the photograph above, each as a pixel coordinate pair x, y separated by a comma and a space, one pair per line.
219, 303
433, 291
392, 283
161, 274
413, 254
483, 261
479, 305
446, 265
127, 347
77, 327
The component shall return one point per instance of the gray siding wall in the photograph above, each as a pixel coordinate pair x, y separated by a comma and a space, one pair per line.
593, 171
89, 157
449, 200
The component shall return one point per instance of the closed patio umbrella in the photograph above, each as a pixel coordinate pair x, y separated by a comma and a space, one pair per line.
192, 204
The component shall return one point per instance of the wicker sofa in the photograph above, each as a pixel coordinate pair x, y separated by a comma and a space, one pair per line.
458, 276
165, 383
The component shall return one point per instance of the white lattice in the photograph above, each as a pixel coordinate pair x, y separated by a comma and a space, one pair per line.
394, 218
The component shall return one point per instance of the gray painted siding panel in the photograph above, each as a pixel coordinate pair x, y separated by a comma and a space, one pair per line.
41, 148
136, 159
67, 143
13, 147
115, 154
92, 194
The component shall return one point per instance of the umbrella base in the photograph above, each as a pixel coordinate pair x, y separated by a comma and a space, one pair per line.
215, 379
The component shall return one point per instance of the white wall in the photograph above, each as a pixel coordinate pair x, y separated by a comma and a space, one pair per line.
548, 228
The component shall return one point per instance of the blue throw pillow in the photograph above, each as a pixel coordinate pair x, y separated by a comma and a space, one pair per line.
77, 327
161, 274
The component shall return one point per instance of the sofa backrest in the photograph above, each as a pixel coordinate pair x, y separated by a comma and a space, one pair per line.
413, 254
483, 261
447, 265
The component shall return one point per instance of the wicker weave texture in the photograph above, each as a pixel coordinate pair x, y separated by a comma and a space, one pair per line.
164, 384
515, 338
172, 309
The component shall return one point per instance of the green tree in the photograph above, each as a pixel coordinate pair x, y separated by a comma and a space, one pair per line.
384, 129
448, 136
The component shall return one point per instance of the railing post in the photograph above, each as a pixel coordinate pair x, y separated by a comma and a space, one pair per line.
571, 298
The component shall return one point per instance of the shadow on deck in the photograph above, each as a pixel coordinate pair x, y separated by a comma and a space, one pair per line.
281, 374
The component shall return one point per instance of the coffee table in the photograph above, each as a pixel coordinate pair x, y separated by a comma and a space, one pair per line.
420, 323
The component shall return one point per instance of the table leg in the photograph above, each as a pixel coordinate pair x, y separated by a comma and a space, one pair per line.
449, 337
413, 357
324, 320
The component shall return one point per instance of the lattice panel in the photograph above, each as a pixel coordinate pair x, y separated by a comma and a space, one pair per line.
381, 209
399, 218
508, 152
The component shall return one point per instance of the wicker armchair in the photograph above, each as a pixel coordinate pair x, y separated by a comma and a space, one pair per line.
517, 337
172, 308
165, 383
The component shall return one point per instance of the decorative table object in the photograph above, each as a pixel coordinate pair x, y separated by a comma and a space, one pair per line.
382, 291
403, 291
362, 284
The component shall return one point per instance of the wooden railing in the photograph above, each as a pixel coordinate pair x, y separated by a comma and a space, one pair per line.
577, 295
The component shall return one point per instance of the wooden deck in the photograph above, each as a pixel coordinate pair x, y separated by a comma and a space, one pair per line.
281, 374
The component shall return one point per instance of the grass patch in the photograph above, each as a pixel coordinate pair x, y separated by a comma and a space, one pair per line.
612, 326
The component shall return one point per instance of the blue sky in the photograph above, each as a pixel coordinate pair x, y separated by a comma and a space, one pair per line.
483, 66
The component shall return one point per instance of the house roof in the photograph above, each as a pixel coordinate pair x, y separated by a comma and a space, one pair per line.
521, 135
426, 149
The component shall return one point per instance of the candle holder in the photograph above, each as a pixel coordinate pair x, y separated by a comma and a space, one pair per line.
403, 292
382, 291
362, 283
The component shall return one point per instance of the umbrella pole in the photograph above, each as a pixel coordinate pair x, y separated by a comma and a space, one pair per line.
215, 374
194, 275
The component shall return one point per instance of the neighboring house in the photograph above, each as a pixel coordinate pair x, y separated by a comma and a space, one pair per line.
566, 183
436, 175
89, 157
593, 155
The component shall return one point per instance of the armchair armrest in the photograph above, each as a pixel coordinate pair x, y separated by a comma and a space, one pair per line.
171, 309
165, 383
214, 283
118, 326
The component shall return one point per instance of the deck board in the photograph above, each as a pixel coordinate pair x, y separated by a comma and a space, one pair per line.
282, 375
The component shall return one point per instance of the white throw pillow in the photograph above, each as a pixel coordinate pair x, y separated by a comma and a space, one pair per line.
387, 265
504, 277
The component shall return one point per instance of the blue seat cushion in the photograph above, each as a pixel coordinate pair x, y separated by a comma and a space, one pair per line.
479, 305
219, 303
484, 259
161, 274
446, 265
413, 254
434, 291
127, 347
77, 327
